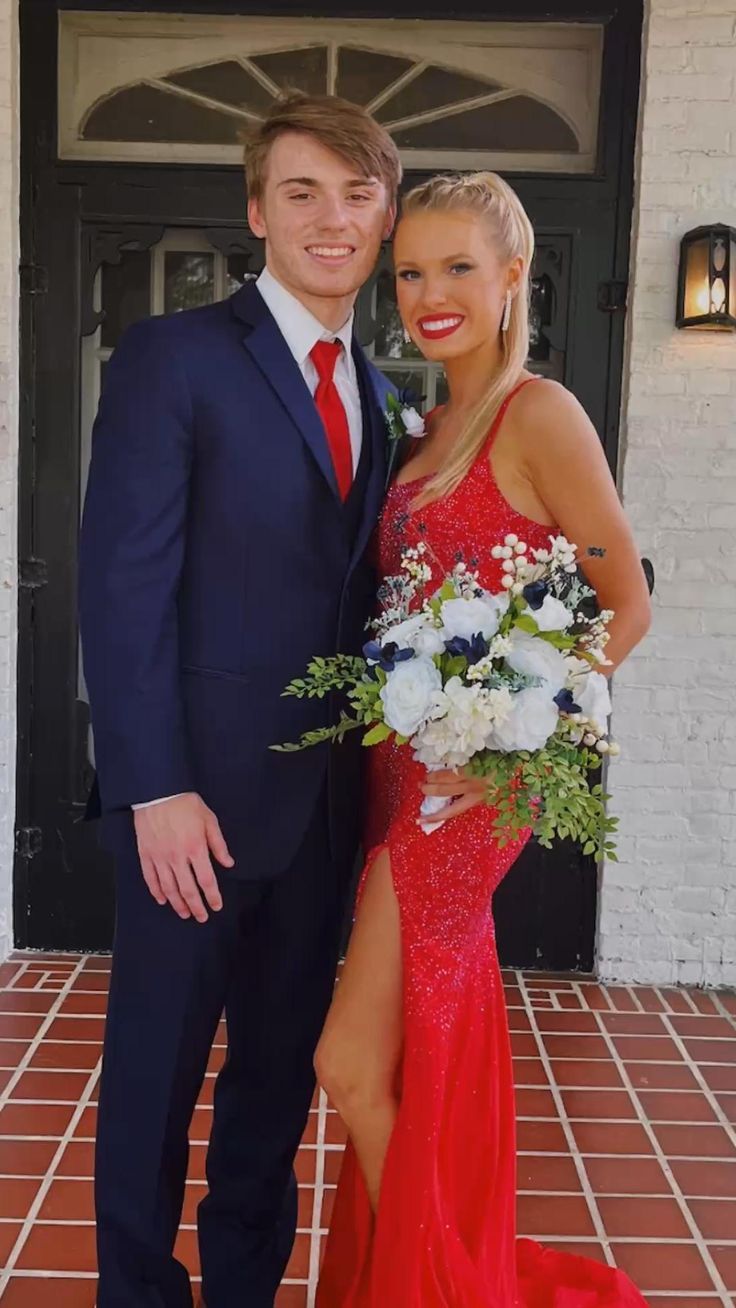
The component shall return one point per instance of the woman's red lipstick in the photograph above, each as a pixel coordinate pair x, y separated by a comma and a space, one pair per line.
437, 326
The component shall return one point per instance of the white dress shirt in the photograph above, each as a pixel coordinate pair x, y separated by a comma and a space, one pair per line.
301, 331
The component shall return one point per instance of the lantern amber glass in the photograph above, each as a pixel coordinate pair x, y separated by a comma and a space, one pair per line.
697, 279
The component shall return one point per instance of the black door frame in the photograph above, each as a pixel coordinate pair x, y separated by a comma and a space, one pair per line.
56, 198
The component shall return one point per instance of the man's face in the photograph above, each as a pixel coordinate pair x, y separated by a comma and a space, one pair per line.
322, 222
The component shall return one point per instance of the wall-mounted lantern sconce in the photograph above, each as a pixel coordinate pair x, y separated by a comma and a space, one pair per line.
706, 284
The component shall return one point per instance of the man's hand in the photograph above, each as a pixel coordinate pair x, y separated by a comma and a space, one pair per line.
465, 792
175, 839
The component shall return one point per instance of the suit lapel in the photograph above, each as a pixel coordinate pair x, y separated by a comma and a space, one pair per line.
373, 403
271, 354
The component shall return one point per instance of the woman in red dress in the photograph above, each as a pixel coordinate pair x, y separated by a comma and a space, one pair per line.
415, 1053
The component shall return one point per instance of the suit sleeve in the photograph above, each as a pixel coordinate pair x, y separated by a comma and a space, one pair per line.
132, 550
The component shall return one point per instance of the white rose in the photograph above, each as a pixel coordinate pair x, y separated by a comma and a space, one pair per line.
411, 695
533, 717
468, 617
551, 615
418, 633
535, 657
461, 732
590, 691
413, 422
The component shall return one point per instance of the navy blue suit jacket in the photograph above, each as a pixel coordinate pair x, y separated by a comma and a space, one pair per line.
215, 562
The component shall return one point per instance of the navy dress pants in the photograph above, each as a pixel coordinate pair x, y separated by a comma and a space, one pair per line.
268, 958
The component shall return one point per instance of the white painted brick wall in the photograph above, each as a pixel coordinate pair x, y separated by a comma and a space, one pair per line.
668, 908
9, 155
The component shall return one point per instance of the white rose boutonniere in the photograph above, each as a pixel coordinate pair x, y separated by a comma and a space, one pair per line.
402, 421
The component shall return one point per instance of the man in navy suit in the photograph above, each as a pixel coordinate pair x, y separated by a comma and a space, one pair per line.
237, 473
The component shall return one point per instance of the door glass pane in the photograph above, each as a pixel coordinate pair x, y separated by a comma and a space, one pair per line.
389, 340
515, 124
432, 88
540, 316
441, 393
305, 69
363, 74
126, 294
189, 280
145, 113
240, 269
228, 82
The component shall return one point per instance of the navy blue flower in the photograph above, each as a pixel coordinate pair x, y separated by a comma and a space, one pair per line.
473, 650
566, 703
386, 656
534, 593
408, 399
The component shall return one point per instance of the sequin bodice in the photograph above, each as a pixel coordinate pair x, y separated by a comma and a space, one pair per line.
466, 523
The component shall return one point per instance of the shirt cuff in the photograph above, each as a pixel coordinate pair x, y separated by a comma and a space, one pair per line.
151, 803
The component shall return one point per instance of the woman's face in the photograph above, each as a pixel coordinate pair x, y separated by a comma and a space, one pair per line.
451, 284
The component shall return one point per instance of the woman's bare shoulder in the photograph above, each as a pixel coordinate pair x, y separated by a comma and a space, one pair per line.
547, 414
545, 396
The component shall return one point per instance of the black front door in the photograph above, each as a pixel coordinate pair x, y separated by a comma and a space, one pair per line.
106, 244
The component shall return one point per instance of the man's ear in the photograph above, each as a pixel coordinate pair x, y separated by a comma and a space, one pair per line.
390, 222
255, 218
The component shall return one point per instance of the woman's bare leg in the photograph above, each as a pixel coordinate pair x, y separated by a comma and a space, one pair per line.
359, 1052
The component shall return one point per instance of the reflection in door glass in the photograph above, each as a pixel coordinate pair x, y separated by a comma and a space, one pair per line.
126, 294
239, 269
390, 342
189, 280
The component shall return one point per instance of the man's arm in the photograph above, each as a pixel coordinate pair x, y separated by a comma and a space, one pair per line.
132, 550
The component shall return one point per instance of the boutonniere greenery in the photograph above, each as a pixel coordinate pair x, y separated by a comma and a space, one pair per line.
403, 422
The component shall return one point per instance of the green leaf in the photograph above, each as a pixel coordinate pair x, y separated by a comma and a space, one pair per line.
377, 734
526, 623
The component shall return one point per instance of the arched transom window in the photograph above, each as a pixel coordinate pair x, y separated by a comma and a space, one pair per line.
452, 94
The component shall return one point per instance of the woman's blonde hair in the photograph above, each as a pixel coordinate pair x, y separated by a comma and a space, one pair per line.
511, 233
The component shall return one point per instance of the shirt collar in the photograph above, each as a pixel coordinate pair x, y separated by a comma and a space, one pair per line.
299, 328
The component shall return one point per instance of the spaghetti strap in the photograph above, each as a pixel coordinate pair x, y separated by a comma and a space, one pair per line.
502, 410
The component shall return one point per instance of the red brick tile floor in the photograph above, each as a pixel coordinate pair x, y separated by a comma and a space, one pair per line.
626, 1099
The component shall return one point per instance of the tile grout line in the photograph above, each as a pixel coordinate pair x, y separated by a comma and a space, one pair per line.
603, 990
697, 1237
709, 1095
23, 968
638, 1006
43, 1028
559, 1102
319, 1183
47, 1181
723, 1011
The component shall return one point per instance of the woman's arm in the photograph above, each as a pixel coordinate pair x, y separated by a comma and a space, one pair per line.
564, 462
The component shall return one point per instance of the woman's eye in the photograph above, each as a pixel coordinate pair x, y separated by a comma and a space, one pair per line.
408, 275
461, 268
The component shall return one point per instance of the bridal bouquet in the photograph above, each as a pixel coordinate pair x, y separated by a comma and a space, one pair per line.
504, 686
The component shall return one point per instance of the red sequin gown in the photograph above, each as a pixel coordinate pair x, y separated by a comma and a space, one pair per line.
445, 1232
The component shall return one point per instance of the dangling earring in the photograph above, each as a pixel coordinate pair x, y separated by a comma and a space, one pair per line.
506, 313
407, 337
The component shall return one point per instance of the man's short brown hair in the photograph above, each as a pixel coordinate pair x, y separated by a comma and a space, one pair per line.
340, 126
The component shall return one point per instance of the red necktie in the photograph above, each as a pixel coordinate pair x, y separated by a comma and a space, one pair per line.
332, 412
